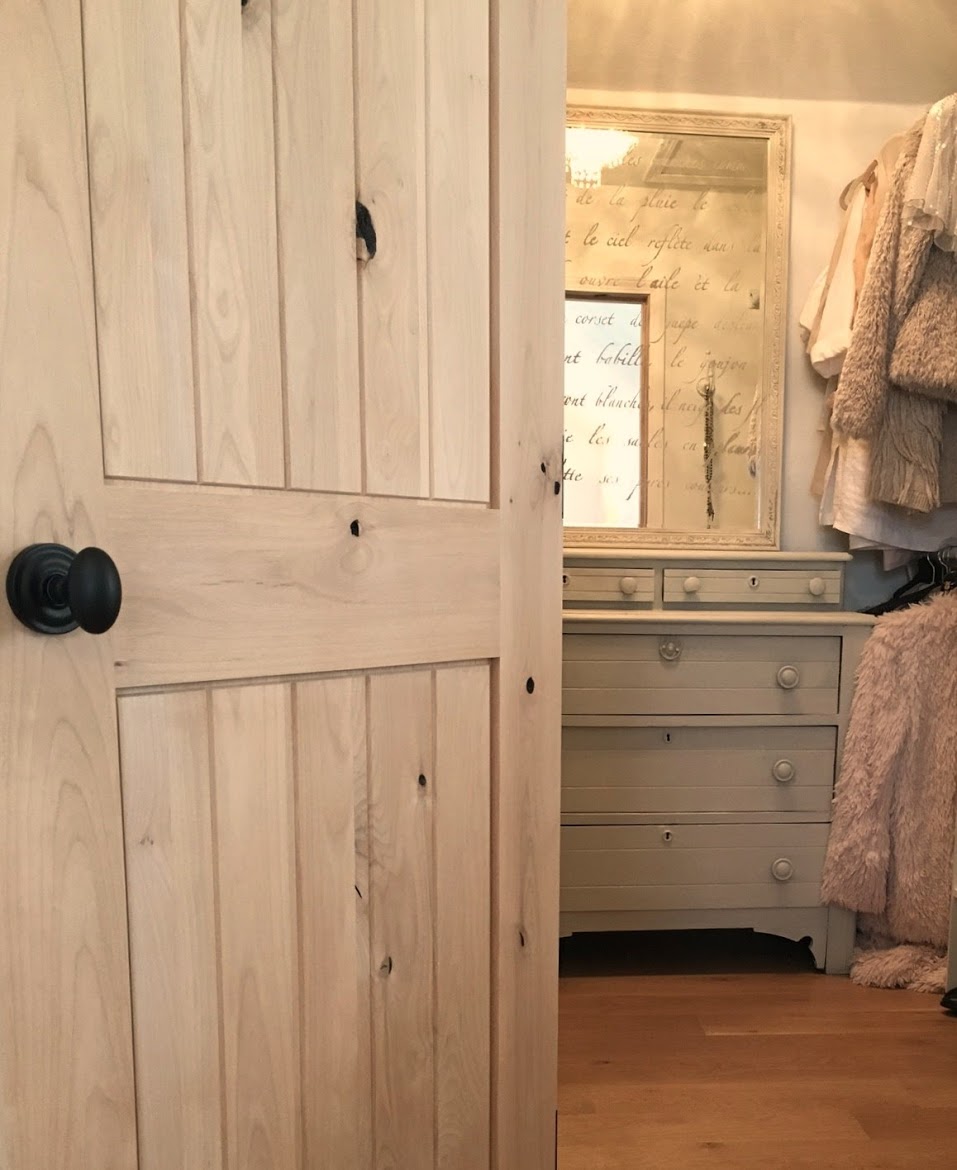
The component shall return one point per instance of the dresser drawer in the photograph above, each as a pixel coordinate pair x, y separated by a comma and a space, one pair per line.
650, 770
699, 674
687, 867
621, 585
756, 587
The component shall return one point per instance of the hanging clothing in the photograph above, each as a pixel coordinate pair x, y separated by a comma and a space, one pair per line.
930, 202
828, 315
924, 360
891, 844
905, 429
833, 297
841, 478
846, 506
878, 180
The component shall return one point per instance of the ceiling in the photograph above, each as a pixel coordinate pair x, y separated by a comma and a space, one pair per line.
889, 51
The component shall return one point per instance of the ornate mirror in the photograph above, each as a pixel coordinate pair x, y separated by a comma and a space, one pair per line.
675, 297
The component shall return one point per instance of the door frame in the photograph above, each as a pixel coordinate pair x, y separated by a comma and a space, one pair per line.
528, 303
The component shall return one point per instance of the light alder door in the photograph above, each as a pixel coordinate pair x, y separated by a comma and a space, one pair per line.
278, 853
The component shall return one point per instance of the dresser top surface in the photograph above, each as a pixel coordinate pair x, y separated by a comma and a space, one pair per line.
665, 557
752, 617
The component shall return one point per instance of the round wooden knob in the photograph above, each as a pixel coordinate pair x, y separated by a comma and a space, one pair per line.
782, 870
784, 771
691, 584
669, 650
817, 586
628, 585
788, 678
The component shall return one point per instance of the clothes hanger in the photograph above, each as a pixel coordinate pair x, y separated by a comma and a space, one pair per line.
934, 571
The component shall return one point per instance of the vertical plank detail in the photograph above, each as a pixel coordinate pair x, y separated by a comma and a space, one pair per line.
255, 831
528, 99
365, 1148
400, 730
66, 1059
330, 765
462, 923
164, 741
138, 196
457, 63
315, 159
391, 149
231, 187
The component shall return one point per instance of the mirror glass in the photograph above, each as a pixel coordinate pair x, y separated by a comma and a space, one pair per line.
675, 251
606, 362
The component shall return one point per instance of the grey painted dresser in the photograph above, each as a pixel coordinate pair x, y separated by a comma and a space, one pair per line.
705, 701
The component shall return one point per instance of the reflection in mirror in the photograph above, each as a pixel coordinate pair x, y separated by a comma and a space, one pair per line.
676, 230
605, 375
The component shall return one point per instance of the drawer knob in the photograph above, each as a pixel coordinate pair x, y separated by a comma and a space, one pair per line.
784, 771
691, 584
669, 650
788, 677
782, 870
628, 585
817, 586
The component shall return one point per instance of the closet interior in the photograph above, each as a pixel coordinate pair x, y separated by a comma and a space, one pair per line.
759, 721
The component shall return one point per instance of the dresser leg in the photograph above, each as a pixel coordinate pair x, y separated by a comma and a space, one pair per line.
841, 932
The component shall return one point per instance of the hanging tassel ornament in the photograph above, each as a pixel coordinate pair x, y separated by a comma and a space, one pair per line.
706, 390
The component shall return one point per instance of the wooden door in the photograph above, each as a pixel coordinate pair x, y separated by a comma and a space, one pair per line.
278, 853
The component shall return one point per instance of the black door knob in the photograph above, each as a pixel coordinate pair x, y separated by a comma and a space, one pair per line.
53, 590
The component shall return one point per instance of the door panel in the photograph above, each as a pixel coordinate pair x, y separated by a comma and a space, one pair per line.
461, 811
231, 208
401, 854
171, 877
457, 144
315, 165
422, 71
254, 832
247, 902
392, 182
134, 94
325, 728
332, 856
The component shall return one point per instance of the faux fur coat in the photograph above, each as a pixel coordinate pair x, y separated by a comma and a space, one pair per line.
890, 851
904, 429
924, 360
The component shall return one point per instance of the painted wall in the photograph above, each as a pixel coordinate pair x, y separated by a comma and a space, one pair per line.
624, 52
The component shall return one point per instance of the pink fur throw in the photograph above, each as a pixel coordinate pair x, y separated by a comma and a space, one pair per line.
890, 852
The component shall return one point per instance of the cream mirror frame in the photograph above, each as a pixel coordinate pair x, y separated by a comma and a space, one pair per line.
659, 228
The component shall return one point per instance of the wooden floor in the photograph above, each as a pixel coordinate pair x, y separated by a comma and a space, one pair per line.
729, 1052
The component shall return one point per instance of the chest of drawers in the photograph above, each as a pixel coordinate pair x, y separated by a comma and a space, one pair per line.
705, 701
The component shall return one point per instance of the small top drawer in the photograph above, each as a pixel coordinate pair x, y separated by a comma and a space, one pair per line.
700, 674
753, 587
597, 584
